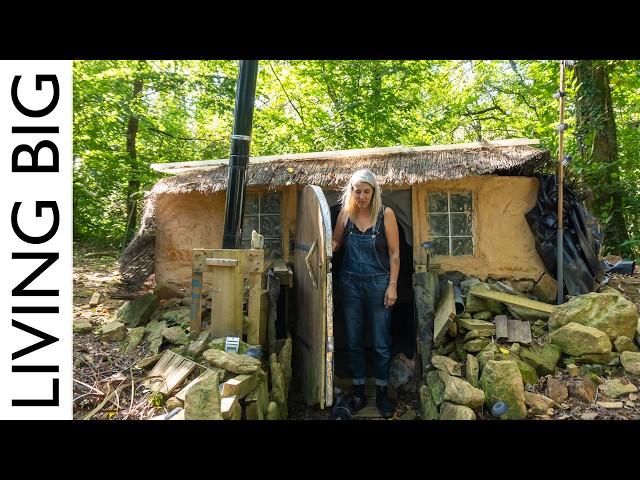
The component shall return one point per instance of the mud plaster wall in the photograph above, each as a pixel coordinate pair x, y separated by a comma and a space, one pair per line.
194, 220
184, 222
504, 245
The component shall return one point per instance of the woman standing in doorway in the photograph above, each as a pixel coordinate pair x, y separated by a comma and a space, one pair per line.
368, 231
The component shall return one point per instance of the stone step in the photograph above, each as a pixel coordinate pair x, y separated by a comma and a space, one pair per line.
370, 411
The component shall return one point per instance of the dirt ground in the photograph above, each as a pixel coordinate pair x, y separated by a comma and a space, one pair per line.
99, 368
108, 386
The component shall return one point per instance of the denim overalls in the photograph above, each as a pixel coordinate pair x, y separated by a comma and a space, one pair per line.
364, 281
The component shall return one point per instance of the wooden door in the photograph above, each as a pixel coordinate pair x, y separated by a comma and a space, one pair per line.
314, 297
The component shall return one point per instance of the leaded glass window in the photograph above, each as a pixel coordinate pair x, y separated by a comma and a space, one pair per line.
451, 222
263, 213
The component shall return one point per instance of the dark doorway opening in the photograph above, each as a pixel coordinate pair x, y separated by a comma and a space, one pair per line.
403, 326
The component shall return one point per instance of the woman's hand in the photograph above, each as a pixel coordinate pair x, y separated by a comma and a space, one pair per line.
391, 295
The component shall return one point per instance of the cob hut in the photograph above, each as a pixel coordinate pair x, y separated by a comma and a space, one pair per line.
459, 207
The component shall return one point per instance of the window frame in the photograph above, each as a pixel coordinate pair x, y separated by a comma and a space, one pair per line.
450, 237
259, 215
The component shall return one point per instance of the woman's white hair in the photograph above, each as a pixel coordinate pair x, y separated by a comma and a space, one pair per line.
348, 200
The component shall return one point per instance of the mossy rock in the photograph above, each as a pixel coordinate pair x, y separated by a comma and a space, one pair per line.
544, 359
436, 387
452, 411
529, 376
427, 404
137, 312
631, 362
483, 315
608, 312
461, 392
176, 316
477, 344
502, 381
611, 358
134, 338
472, 369
487, 353
624, 344
447, 365
576, 339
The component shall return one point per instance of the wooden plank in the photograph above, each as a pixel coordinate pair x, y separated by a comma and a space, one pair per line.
519, 331
283, 271
230, 408
514, 300
425, 232
208, 373
252, 261
422, 226
240, 385
248, 260
445, 314
501, 327
260, 395
227, 297
227, 285
171, 369
279, 266
415, 218
221, 262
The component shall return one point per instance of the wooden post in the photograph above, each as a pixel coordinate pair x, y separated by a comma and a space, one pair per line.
196, 293
254, 266
229, 268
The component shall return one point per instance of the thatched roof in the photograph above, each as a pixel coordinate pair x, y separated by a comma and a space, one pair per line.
391, 165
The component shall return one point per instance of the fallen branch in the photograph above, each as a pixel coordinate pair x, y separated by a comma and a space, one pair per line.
103, 403
108, 397
89, 386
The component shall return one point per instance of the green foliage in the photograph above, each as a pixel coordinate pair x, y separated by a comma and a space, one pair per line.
185, 113
178, 100
157, 399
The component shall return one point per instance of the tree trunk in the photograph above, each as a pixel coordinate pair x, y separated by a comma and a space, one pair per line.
596, 133
134, 180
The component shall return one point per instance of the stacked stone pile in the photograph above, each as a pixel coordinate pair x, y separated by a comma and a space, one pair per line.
225, 385
586, 351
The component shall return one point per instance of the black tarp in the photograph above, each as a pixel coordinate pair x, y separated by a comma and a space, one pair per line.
582, 237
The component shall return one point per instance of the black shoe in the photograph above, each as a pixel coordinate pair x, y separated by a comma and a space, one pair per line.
358, 398
385, 406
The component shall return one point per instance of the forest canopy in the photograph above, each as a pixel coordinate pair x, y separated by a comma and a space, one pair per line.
129, 114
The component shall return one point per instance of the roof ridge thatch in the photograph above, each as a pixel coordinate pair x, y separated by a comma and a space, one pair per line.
181, 167
403, 166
